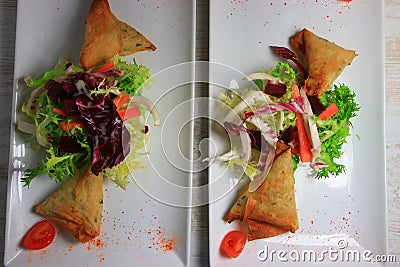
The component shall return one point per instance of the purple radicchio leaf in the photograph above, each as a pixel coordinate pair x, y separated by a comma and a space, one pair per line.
110, 137
234, 129
69, 145
109, 73
288, 54
275, 107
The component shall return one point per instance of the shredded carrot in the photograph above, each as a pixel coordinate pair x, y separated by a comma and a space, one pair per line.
295, 91
122, 100
304, 142
107, 66
71, 125
329, 112
59, 111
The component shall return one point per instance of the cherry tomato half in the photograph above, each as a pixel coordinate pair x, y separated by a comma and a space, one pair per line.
40, 235
233, 243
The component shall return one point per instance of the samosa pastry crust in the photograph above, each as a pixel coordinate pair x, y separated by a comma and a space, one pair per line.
276, 198
259, 230
132, 40
103, 38
107, 36
324, 60
238, 209
77, 205
273, 204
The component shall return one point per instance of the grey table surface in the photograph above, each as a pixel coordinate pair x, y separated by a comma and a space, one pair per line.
199, 231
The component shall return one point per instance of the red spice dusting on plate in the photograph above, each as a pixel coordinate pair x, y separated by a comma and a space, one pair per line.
30, 256
160, 240
97, 246
99, 243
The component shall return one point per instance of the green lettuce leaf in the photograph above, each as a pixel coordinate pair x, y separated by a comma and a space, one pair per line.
334, 131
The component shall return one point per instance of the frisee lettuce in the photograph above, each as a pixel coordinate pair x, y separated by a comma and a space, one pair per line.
334, 131
135, 76
249, 167
60, 165
57, 166
53, 74
119, 174
284, 72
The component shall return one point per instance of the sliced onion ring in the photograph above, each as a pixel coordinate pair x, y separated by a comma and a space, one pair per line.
246, 146
262, 76
26, 127
148, 105
268, 148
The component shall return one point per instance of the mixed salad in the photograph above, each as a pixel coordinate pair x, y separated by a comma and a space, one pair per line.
278, 109
94, 117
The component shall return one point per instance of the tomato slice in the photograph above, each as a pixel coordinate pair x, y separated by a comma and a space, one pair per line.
40, 235
233, 243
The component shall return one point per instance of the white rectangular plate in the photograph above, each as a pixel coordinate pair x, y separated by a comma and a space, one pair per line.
349, 210
142, 223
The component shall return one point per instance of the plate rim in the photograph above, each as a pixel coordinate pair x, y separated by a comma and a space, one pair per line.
382, 114
12, 125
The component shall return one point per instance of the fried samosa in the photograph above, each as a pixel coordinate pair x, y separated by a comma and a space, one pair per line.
259, 230
103, 38
132, 40
77, 205
324, 60
271, 209
106, 36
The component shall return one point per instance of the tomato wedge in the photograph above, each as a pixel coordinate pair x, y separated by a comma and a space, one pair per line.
40, 235
233, 243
